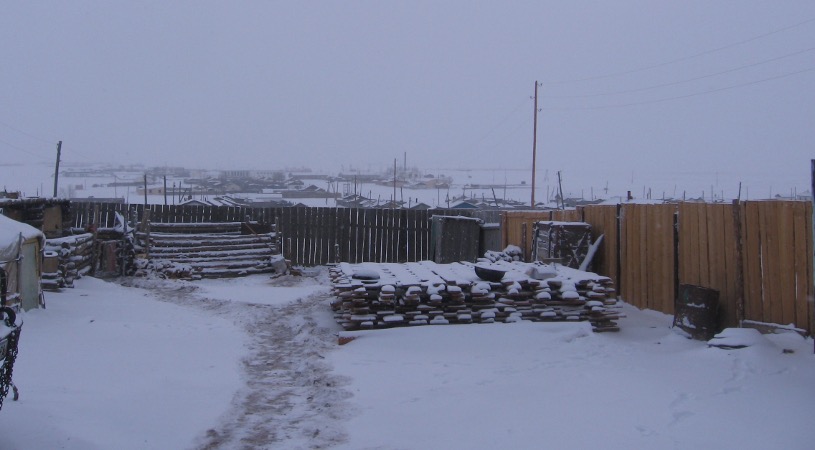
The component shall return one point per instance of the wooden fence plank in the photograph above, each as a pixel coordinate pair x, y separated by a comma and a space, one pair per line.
684, 243
308, 236
641, 257
728, 260
649, 267
372, 235
625, 251
401, 238
802, 277
703, 264
356, 219
668, 234
767, 242
631, 242
689, 220
752, 262
786, 263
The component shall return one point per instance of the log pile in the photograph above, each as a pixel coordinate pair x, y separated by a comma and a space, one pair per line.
72, 258
206, 250
370, 296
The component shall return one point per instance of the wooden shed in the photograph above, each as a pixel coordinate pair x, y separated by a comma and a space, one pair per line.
21, 248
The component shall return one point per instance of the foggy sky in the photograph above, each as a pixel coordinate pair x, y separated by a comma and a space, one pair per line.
251, 84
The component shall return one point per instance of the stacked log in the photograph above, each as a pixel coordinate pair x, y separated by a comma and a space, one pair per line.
206, 250
367, 304
73, 256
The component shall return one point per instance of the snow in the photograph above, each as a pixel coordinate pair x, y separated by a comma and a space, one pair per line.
254, 363
10, 230
106, 367
10, 233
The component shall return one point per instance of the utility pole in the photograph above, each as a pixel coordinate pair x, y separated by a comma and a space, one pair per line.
534, 143
560, 190
56, 169
394, 182
165, 189
145, 190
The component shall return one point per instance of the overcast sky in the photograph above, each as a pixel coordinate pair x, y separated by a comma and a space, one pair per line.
626, 86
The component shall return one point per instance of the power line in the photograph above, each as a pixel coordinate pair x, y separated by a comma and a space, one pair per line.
499, 123
695, 94
27, 134
20, 148
674, 83
685, 58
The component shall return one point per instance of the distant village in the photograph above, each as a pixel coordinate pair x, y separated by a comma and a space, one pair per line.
400, 187
397, 187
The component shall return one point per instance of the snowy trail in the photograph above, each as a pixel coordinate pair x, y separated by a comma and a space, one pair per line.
290, 398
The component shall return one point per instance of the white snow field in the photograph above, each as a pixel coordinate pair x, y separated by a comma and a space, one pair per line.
254, 363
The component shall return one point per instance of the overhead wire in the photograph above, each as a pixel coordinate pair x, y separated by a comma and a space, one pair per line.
21, 149
27, 133
73, 151
688, 80
499, 123
695, 94
685, 58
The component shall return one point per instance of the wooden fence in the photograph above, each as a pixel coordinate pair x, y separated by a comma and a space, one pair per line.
309, 236
757, 254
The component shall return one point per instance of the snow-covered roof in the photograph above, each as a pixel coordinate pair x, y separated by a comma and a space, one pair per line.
10, 231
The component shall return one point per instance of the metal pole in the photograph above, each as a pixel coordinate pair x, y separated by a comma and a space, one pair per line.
534, 143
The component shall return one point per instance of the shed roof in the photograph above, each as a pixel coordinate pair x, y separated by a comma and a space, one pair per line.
10, 231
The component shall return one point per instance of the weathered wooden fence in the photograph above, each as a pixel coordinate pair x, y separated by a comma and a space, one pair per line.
757, 254
310, 236
82, 213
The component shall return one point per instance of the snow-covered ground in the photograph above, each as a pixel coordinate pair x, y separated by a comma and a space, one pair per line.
254, 363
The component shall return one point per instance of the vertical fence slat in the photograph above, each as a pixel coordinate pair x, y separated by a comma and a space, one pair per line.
752, 262
786, 262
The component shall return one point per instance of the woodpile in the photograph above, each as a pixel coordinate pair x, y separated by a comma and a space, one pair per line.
370, 295
66, 259
205, 250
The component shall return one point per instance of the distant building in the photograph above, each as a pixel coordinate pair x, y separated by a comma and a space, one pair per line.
311, 191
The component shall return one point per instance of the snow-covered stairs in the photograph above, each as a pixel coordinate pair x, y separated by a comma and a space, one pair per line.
207, 250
